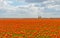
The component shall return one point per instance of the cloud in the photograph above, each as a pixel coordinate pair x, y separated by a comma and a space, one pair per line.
29, 8
34, 1
51, 9
21, 11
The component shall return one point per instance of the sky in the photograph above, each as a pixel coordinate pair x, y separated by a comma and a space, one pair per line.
29, 8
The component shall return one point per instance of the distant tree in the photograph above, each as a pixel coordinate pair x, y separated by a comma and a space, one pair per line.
39, 16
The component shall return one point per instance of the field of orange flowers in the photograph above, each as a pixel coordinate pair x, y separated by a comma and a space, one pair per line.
30, 28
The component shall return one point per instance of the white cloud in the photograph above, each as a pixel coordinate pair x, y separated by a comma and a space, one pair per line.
51, 8
27, 11
46, 8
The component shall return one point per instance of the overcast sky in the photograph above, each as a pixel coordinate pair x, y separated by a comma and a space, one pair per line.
29, 8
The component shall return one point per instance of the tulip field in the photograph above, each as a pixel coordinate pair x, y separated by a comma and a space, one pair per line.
30, 28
